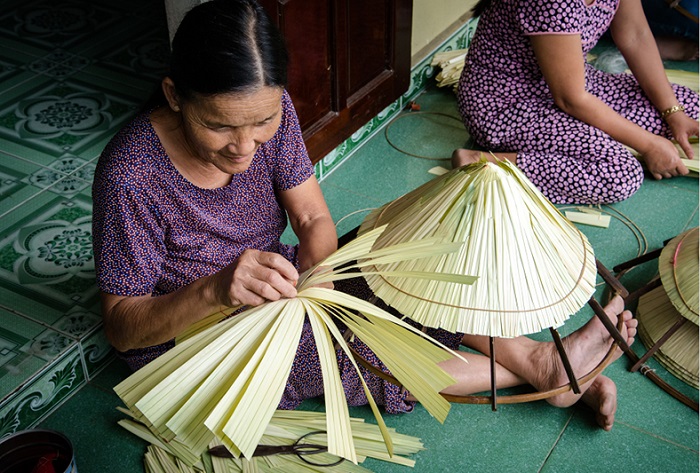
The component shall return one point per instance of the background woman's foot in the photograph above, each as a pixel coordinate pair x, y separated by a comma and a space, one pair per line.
462, 157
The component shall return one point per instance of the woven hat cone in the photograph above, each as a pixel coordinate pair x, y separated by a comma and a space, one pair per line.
678, 268
678, 354
534, 267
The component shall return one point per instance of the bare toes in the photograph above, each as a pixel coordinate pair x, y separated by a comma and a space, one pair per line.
615, 307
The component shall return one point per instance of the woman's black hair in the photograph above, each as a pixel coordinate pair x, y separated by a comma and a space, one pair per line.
227, 46
481, 7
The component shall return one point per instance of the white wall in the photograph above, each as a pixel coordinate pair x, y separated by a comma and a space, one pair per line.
434, 20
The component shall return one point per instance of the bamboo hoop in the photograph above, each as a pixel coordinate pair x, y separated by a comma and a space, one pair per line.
672, 342
678, 269
408, 153
494, 399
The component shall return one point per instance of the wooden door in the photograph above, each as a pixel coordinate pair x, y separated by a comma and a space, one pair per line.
349, 59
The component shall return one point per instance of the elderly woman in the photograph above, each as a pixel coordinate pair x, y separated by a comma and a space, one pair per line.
191, 198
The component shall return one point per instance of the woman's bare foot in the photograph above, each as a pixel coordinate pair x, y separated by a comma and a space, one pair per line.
585, 349
602, 398
462, 157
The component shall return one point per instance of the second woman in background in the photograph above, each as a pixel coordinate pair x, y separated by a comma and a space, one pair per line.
527, 94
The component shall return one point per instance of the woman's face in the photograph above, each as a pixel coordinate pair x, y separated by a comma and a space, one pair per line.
225, 131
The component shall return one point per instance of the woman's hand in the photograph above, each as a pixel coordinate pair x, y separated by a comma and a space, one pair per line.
682, 128
663, 160
254, 278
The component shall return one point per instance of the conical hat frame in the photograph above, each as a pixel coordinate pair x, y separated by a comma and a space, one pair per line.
678, 269
639, 363
574, 383
672, 338
448, 192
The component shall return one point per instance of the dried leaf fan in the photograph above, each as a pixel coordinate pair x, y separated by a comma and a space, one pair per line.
224, 381
534, 267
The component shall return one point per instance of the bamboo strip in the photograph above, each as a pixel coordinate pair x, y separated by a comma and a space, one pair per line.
338, 423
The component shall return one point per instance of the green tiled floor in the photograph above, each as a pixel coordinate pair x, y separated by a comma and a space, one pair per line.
66, 86
653, 432
71, 73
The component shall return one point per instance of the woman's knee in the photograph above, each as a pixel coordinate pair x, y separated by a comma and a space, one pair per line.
619, 181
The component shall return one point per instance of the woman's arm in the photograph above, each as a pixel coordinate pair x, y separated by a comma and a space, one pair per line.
559, 58
311, 222
142, 321
634, 39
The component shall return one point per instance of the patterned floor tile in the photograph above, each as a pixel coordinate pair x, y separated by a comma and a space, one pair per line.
61, 118
145, 55
97, 352
46, 252
15, 187
57, 24
67, 176
17, 52
68, 81
25, 348
15, 61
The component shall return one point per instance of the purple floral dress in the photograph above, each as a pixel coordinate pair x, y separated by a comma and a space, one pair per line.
507, 106
154, 232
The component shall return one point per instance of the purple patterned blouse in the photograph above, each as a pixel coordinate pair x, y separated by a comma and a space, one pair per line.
502, 66
154, 231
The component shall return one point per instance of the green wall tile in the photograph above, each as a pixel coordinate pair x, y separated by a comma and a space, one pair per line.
42, 393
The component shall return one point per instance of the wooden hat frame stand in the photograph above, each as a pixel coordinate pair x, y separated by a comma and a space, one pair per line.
574, 383
639, 363
511, 204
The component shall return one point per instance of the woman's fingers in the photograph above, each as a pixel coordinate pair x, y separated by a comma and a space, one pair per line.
256, 277
684, 143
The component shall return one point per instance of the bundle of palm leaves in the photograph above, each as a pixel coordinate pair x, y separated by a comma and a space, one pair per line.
223, 382
287, 429
451, 64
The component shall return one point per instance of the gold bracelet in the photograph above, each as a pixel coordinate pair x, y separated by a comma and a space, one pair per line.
672, 110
